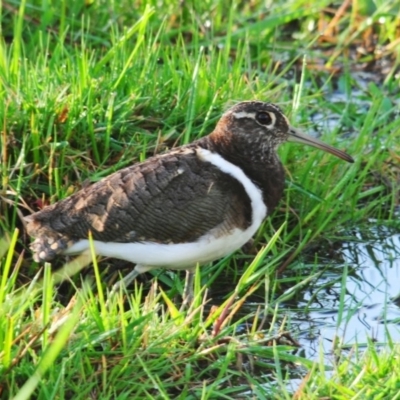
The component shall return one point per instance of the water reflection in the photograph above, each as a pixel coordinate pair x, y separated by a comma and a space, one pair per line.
370, 306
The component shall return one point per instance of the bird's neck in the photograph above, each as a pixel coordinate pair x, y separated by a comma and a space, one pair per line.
260, 163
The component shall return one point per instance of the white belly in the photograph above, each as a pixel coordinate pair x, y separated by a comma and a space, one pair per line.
173, 256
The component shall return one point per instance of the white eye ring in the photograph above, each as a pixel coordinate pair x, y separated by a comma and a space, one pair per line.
263, 120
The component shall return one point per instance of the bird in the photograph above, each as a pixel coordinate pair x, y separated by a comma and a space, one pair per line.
189, 206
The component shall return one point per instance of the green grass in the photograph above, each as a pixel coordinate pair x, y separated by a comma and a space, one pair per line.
370, 374
90, 87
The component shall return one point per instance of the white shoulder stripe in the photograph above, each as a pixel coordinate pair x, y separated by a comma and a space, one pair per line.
259, 209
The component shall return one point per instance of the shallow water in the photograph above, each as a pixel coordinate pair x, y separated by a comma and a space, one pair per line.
369, 306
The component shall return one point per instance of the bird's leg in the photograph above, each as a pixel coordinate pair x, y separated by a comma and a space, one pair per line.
188, 293
126, 281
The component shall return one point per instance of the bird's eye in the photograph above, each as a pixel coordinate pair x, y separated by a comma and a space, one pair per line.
264, 118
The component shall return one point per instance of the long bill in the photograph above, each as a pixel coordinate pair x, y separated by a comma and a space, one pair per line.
295, 135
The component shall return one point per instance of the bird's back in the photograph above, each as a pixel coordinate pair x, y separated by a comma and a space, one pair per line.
173, 198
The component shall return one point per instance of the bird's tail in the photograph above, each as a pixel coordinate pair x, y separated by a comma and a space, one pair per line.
48, 243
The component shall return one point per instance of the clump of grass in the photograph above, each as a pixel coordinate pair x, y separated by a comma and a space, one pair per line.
103, 345
370, 374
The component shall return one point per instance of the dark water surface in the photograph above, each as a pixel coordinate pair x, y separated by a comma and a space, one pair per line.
369, 308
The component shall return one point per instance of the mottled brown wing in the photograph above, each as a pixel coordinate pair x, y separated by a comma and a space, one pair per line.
167, 199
